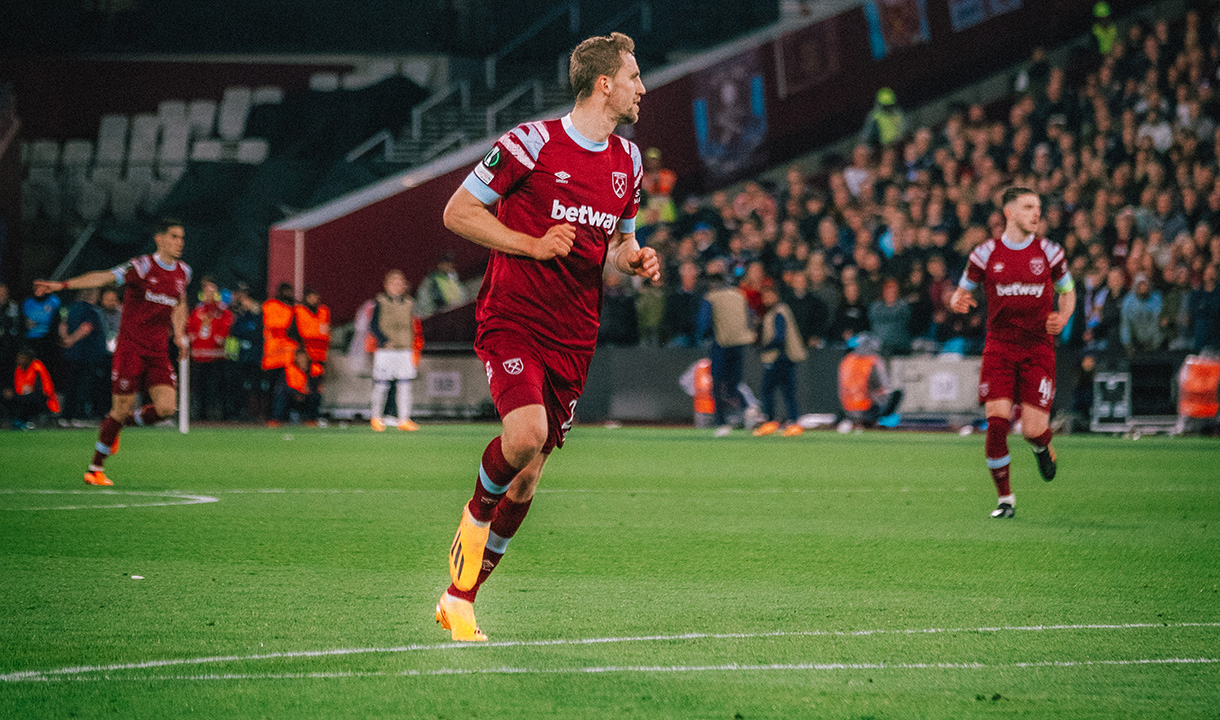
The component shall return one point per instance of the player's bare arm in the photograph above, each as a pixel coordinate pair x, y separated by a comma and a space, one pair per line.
962, 301
630, 259
468, 217
1056, 321
96, 279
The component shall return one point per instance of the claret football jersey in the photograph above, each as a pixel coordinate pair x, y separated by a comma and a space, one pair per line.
1020, 281
153, 291
543, 174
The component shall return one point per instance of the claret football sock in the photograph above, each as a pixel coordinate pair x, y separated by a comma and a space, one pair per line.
495, 473
1041, 442
107, 436
998, 459
504, 525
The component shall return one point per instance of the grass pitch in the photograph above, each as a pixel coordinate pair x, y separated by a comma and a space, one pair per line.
660, 574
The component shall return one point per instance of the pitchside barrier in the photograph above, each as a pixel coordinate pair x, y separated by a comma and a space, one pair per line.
644, 384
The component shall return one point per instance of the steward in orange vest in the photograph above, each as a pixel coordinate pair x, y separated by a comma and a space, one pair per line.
280, 333
313, 323
864, 390
32, 387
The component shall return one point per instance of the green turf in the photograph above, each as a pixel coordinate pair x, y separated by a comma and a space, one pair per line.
776, 554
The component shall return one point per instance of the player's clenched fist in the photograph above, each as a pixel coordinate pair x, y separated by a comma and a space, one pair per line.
962, 301
643, 262
556, 242
1055, 323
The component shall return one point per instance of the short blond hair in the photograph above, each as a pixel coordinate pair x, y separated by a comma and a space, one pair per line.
594, 57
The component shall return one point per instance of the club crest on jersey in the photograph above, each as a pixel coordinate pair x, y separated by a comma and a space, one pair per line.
618, 181
1037, 265
514, 366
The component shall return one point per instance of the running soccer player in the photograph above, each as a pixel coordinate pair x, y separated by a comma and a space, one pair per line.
1019, 273
153, 304
568, 192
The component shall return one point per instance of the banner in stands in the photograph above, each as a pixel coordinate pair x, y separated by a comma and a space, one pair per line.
730, 115
807, 57
896, 24
968, 13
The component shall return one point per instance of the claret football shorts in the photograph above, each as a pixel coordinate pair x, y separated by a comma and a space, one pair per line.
1023, 374
133, 371
521, 372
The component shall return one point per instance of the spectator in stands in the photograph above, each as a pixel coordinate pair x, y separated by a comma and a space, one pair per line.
890, 319
441, 289
679, 320
86, 361
1102, 331
1203, 311
810, 312
1105, 32
649, 309
657, 183
620, 323
313, 324
1173, 308
208, 327
12, 329
1140, 318
31, 390
725, 316
886, 123
42, 328
281, 338
781, 349
851, 316
248, 389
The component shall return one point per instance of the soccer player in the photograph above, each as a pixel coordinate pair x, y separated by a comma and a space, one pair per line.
153, 305
568, 192
1021, 275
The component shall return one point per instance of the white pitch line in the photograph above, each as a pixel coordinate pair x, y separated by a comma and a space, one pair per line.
646, 669
35, 675
177, 497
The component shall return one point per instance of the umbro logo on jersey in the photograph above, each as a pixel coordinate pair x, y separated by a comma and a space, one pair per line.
561, 177
618, 181
998, 267
514, 366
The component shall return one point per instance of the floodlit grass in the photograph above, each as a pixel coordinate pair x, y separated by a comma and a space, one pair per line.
660, 574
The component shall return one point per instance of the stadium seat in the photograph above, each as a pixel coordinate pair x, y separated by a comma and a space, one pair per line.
267, 95
43, 153
125, 199
105, 175
175, 142
324, 81
143, 147
370, 74
234, 107
252, 151
207, 151
77, 157
92, 201
171, 113
170, 172
201, 118
111, 140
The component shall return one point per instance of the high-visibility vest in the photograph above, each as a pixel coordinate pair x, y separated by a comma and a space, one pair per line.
705, 400
278, 347
314, 328
25, 380
296, 379
854, 372
1198, 381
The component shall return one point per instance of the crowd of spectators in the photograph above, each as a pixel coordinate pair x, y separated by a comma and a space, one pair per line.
1122, 146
